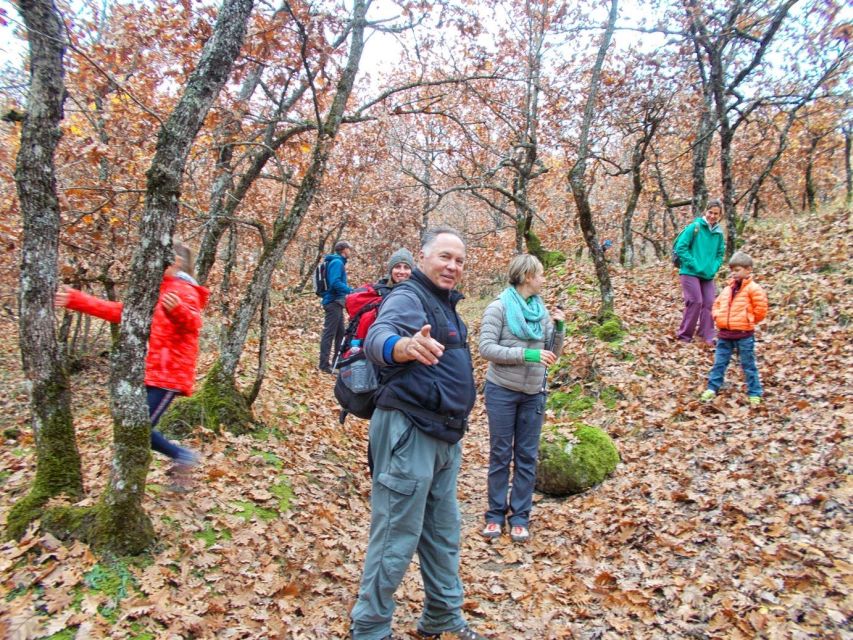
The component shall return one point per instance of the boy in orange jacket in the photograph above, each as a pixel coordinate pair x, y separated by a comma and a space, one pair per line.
737, 310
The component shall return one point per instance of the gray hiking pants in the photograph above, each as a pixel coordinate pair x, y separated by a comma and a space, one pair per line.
333, 332
413, 508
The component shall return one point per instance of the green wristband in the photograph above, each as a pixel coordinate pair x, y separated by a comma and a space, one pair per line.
559, 325
531, 355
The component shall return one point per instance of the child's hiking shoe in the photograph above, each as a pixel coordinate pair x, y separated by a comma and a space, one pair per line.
755, 401
465, 633
181, 471
182, 481
519, 534
492, 530
707, 395
187, 458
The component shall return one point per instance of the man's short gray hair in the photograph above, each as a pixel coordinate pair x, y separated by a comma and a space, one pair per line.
431, 234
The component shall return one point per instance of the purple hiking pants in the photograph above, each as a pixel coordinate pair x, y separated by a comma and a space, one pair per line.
698, 301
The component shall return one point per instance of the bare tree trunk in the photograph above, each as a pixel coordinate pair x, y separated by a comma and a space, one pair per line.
780, 184
222, 375
652, 116
848, 169
577, 180
730, 114
810, 187
121, 525
704, 131
262, 351
57, 459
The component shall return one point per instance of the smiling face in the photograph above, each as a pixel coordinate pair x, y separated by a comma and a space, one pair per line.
442, 261
713, 215
401, 271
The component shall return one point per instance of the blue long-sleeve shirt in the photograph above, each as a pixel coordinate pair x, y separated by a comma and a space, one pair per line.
336, 277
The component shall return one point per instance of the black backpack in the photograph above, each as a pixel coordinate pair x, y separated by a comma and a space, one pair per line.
359, 380
321, 284
676, 261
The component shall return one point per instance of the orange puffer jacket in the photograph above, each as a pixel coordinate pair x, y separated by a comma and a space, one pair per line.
173, 344
743, 310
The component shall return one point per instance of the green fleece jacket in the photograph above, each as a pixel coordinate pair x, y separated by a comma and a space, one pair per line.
701, 253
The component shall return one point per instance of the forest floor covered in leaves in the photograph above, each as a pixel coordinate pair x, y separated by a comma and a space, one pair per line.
722, 521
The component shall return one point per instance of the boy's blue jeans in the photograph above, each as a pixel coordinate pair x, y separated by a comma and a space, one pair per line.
722, 357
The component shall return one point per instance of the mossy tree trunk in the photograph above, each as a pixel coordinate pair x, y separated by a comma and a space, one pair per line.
120, 524
577, 181
58, 462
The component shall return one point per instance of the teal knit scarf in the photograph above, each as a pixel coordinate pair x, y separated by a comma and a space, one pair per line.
524, 316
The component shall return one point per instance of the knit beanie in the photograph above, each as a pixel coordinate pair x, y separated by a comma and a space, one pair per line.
400, 256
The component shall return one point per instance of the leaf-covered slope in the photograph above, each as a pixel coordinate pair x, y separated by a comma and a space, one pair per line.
721, 520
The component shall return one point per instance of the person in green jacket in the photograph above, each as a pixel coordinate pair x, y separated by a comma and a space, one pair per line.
700, 248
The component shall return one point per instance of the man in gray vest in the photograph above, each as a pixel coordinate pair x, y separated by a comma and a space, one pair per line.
421, 415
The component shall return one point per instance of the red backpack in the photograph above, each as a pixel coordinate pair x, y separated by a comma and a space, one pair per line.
362, 307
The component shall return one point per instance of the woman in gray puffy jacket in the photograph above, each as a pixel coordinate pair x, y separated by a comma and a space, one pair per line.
519, 340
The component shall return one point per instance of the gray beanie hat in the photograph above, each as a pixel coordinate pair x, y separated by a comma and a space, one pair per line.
400, 255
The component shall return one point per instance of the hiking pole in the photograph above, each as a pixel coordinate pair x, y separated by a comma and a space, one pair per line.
549, 346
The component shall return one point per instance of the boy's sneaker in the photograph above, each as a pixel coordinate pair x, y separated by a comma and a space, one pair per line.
519, 534
465, 633
707, 395
492, 530
755, 401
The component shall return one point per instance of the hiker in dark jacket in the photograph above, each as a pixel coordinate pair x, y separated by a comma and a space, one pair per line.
421, 414
700, 248
333, 304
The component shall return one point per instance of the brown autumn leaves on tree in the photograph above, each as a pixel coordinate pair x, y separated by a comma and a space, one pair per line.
486, 121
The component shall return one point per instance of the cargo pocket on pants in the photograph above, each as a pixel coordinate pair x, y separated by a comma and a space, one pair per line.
398, 485
404, 526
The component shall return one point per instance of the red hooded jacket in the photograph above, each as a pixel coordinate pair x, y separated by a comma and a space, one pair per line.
173, 344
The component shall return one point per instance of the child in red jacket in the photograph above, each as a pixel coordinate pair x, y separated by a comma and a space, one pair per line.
172, 346
736, 311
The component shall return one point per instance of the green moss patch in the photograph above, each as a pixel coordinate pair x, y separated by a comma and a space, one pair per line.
609, 397
572, 464
572, 403
284, 492
610, 329
211, 536
249, 510
270, 458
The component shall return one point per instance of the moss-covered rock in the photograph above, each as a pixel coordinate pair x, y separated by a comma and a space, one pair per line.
572, 464
217, 404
